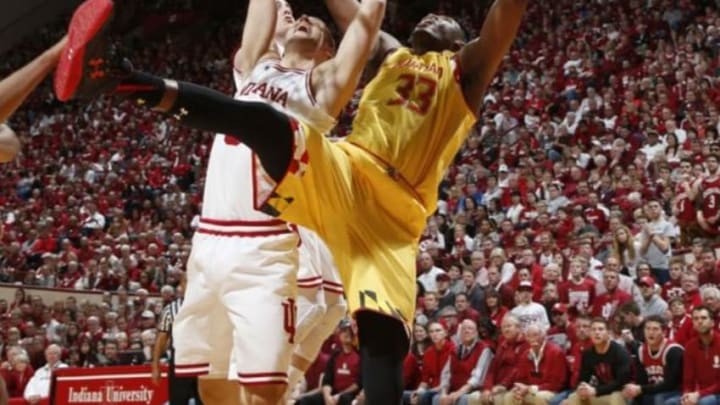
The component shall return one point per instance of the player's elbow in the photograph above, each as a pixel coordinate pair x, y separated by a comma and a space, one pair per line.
374, 10
9, 144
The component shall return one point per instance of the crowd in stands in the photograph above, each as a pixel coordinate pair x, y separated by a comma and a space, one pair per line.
588, 190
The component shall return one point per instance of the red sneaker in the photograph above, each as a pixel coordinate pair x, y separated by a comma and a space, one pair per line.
84, 69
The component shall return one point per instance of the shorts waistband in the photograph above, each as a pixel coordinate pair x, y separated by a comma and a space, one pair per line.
223, 227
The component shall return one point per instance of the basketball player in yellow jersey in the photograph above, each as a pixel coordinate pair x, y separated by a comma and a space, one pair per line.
15, 88
368, 198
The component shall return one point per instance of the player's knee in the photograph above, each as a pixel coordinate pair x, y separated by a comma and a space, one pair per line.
309, 315
336, 311
219, 392
264, 394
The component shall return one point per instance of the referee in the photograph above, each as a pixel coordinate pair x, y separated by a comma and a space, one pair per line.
182, 389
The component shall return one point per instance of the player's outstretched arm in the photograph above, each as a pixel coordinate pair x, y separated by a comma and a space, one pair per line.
343, 12
335, 81
480, 59
9, 144
257, 34
15, 88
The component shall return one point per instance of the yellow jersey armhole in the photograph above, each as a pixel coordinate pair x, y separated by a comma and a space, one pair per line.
456, 69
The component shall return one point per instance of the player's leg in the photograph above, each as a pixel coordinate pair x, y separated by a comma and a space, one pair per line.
216, 390
308, 348
310, 311
383, 346
202, 334
259, 296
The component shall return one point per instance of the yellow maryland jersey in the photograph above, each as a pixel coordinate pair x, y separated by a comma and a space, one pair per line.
413, 116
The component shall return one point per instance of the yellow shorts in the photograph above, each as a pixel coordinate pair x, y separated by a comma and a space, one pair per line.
370, 221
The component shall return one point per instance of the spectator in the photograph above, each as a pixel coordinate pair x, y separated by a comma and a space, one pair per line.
542, 370
38, 388
412, 367
658, 368
494, 308
604, 369
341, 381
606, 304
655, 240
579, 290
562, 332
651, 302
526, 310
446, 296
701, 369
434, 360
110, 354
504, 367
428, 272
19, 376
466, 369
464, 310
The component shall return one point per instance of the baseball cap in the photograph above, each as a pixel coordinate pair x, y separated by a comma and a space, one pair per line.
147, 314
525, 285
345, 324
442, 277
647, 280
559, 308
503, 168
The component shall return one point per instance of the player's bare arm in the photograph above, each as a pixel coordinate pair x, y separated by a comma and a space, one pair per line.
161, 343
9, 144
480, 58
258, 33
15, 88
343, 12
335, 80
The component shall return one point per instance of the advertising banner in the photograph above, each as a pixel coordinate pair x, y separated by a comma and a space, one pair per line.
108, 385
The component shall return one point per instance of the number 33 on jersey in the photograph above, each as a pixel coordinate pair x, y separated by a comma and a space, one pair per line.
413, 115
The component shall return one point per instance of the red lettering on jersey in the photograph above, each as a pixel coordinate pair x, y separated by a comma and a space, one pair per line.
289, 317
275, 94
231, 140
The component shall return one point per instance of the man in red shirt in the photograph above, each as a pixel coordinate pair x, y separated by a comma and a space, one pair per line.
563, 331
435, 359
542, 370
606, 304
658, 370
341, 381
701, 368
504, 367
467, 367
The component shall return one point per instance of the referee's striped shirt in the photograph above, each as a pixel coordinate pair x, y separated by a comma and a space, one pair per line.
168, 316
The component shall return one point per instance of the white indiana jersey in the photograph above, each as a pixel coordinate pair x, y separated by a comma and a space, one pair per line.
235, 183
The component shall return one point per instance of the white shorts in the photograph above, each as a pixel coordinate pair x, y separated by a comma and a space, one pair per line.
240, 299
317, 268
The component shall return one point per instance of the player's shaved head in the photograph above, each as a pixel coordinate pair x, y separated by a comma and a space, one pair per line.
437, 33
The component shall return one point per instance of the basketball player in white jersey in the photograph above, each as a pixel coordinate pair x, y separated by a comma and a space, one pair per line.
265, 258
320, 301
240, 294
15, 88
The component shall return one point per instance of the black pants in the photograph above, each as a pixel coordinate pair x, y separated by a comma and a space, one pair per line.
182, 389
317, 399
